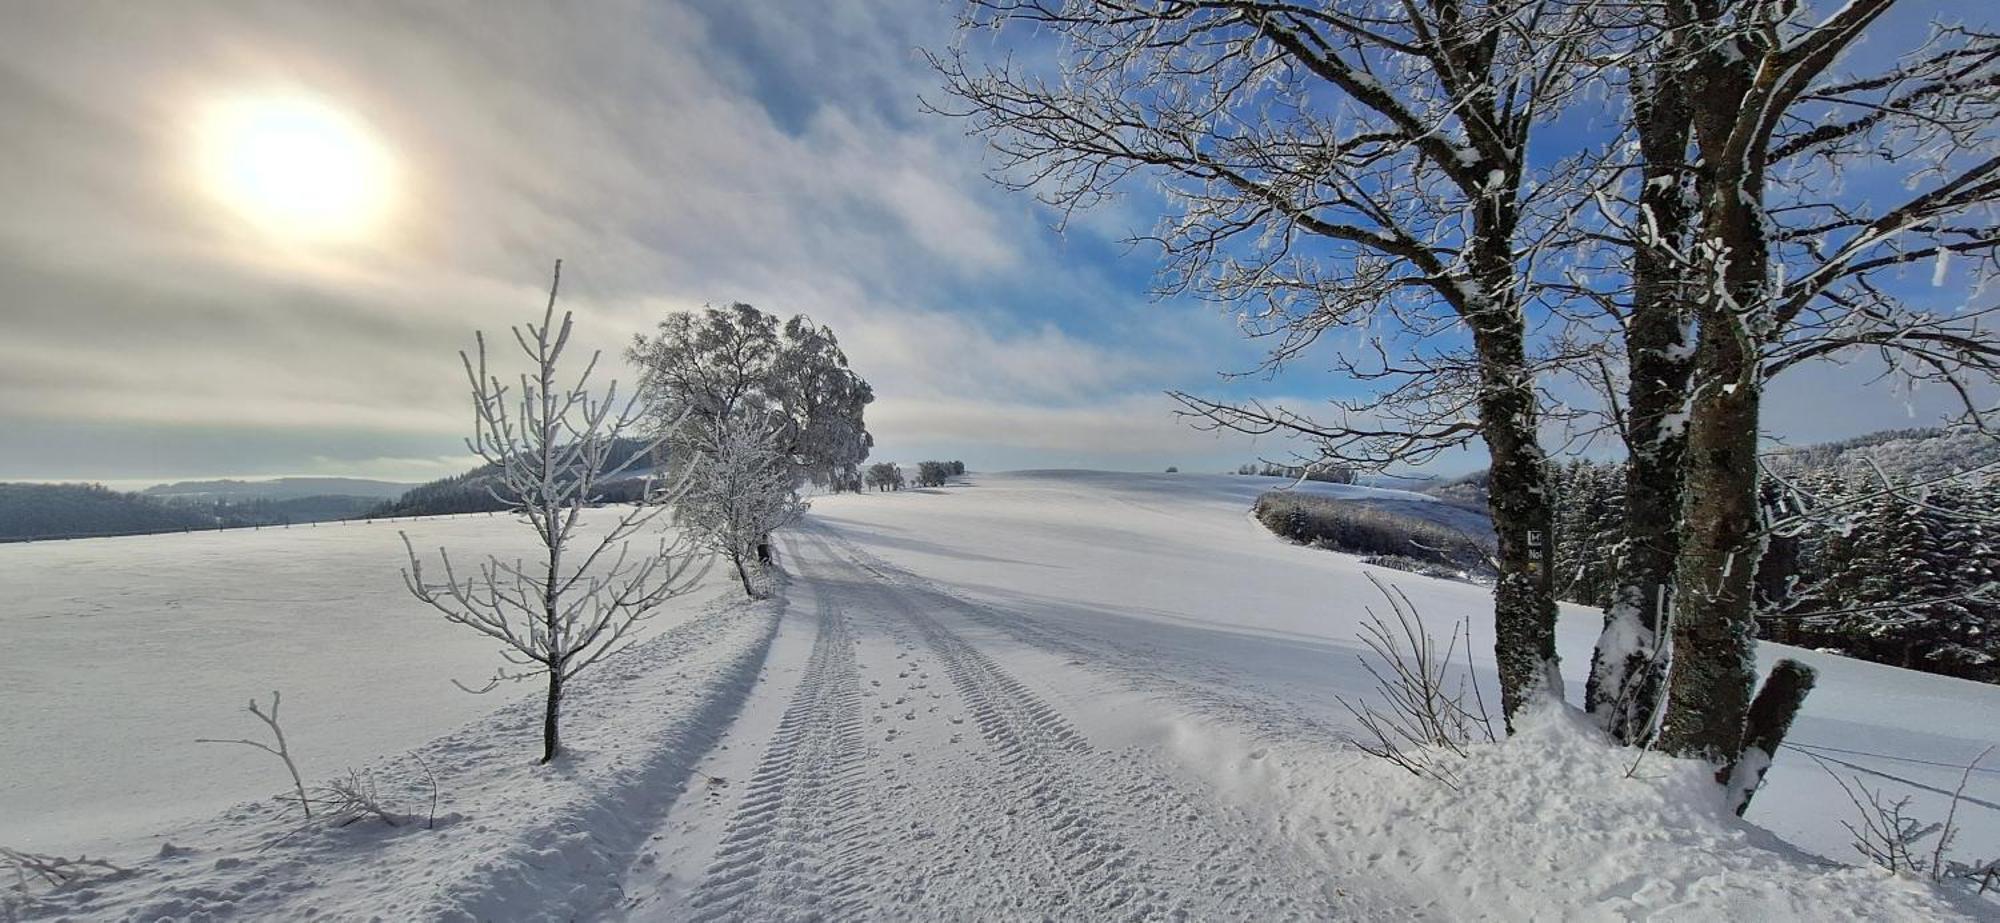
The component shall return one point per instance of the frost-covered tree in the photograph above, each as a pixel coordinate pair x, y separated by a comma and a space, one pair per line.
751, 405
740, 489
1589, 520
580, 599
1899, 575
705, 372
885, 476
932, 473
1367, 165
1794, 239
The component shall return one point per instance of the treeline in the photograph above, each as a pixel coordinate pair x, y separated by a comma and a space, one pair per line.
1326, 474
52, 510
1895, 573
889, 476
29, 511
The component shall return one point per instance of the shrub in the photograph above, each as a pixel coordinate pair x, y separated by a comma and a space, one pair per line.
1398, 540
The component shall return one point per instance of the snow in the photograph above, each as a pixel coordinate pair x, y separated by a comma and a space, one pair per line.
1031, 695
121, 651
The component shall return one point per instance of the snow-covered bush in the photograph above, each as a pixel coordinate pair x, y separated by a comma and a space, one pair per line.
1368, 530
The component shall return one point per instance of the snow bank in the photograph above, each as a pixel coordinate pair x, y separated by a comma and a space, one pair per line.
1556, 824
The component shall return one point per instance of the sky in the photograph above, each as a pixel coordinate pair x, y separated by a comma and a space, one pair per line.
156, 327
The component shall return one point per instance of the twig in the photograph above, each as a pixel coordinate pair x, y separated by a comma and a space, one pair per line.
281, 751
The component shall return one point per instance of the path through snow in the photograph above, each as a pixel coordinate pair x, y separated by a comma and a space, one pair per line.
914, 776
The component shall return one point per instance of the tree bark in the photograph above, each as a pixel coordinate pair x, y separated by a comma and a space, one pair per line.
1714, 611
1628, 675
551, 737
1769, 721
1713, 608
1522, 508
742, 573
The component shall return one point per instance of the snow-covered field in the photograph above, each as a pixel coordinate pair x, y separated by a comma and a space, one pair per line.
1070, 695
119, 652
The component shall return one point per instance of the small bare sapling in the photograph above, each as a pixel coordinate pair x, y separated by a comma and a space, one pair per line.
1888, 835
280, 750
1430, 709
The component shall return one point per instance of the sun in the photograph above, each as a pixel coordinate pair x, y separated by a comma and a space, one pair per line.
295, 166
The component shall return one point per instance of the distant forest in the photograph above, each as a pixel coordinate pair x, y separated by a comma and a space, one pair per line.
472, 492
31, 511
1884, 561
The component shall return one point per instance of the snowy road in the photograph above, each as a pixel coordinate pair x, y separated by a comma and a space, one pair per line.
912, 774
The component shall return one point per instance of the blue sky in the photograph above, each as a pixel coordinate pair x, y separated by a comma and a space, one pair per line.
672, 154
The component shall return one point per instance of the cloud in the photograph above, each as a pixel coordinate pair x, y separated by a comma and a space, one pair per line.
659, 148
674, 154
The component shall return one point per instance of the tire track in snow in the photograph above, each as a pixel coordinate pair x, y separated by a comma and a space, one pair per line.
1137, 662
1121, 840
802, 821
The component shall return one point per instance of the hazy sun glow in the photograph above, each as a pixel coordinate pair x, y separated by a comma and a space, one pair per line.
296, 166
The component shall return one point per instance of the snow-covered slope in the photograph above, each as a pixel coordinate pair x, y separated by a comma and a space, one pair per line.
1067, 695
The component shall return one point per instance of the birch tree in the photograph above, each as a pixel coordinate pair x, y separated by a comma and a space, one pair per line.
581, 598
1350, 164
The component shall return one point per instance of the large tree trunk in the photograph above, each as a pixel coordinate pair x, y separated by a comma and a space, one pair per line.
1524, 603
1714, 604
1628, 675
1518, 493
1714, 614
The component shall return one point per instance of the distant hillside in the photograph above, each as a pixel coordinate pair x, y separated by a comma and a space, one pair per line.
54, 510
30, 511
1903, 454
472, 492
279, 489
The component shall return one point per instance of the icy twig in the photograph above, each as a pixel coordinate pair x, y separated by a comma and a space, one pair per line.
55, 871
281, 751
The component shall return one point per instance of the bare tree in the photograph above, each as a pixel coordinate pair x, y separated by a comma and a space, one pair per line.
552, 442
1792, 256
1346, 164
